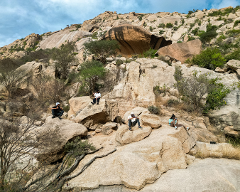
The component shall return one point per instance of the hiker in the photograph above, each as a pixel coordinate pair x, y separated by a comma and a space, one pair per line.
132, 121
173, 122
97, 97
57, 111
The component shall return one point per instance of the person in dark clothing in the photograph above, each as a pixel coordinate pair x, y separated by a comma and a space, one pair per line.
57, 111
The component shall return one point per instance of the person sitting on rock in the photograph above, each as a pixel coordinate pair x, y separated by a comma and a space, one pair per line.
173, 122
97, 97
132, 121
57, 111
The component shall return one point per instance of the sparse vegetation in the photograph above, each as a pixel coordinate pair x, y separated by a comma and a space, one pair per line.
207, 36
161, 25
150, 53
193, 90
169, 25
102, 49
154, 110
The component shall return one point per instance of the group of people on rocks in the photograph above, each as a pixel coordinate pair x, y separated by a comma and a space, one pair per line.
57, 111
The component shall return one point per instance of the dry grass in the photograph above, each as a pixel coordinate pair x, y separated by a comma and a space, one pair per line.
227, 151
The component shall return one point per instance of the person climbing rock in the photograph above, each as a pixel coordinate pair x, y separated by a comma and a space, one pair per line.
132, 121
173, 122
57, 111
97, 97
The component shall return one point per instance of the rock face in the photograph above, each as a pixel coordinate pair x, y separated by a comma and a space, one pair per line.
134, 40
234, 65
77, 104
53, 135
181, 51
58, 38
197, 177
136, 164
97, 113
125, 136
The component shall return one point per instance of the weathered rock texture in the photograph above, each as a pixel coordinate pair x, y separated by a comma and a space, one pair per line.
181, 51
134, 40
138, 163
53, 135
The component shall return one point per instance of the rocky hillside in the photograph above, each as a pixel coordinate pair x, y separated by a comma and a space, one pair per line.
156, 157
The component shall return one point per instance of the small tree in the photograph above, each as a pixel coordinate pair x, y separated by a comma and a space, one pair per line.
64, 56
196, 89
102, 49
9, 77
210, 58
89, 73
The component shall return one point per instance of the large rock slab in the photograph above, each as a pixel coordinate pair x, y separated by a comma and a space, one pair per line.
198, 177
136, 164
53, 135
96, 113
77, 104
181, 51
134, 39
151, 120
204, 175
234, 65
125, 136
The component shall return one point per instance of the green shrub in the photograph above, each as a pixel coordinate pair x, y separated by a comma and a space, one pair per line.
175, 23
154, 110
232, 140
161, 32
190, 38
209, 34
102, 49
216, 94
89, 73
119, 62
140, 17
64, 56
172, 102
210, 58
234, 55
161, 25
182, 21
159, 90
236, 23
150, 53
194, 88
169, 25
222, 13
233, 32
77, 147
150, 28
195, 31
94, 35
175, 28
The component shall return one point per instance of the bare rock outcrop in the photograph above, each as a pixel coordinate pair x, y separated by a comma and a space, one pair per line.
234, 65
58, 38
134, 39
125, 136
95, 113
53, 135
181, 51
136, 164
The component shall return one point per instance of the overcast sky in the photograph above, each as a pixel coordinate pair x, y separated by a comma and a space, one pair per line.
19, 18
